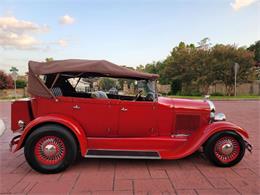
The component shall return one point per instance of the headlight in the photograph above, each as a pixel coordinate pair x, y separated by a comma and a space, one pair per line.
220, 117
212, 115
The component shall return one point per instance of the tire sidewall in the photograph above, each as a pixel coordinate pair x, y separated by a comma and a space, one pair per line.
210, 146
50, 130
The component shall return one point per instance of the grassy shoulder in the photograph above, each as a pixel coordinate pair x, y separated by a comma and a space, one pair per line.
11, 98
242, 97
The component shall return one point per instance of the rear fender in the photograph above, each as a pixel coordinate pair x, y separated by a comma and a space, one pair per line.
58, 119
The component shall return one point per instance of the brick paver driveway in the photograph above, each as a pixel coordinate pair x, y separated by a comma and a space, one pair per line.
192, 175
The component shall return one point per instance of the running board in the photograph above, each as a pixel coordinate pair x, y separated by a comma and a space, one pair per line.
122, 154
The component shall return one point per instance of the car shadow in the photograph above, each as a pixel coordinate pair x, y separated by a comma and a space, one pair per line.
196, 159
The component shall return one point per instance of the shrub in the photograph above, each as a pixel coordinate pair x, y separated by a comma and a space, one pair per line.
6, 81
20, 84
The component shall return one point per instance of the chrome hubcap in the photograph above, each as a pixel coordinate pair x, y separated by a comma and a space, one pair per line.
50, 150
227, 148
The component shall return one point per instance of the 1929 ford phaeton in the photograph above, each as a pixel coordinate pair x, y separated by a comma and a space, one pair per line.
62, 120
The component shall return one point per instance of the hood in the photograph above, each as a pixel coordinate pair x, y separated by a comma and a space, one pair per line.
185, 103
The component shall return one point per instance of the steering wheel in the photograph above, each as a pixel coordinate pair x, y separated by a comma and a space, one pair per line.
138, 95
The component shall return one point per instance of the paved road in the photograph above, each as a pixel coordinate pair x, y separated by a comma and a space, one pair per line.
192, 175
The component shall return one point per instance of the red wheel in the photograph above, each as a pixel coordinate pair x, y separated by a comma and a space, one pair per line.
50, 149
225, 148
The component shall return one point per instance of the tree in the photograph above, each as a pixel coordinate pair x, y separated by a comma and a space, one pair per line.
107, 83
14, 75
223, 58
204, 44
204, 74
179, 66
140, 68
191, 70
13, 69
151, 68
256, 49
49, 59
6, 81
120, 82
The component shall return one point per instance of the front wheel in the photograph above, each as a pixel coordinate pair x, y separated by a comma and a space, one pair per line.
50, 149
225, 149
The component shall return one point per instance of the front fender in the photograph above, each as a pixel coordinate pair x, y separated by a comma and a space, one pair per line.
224, 125
58, 119
202, 135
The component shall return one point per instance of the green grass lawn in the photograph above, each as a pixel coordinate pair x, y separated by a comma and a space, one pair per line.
242, 97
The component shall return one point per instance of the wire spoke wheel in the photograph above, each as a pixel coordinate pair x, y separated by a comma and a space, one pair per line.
226, 149
50, 150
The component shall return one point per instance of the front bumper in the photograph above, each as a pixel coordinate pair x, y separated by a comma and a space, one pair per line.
248, 146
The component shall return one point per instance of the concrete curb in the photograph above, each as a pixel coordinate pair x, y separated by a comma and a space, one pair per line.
2, 127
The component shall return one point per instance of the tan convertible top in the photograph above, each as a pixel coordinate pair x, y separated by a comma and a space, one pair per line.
90, 66
98, 67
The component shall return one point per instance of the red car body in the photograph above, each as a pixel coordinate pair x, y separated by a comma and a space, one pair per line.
165, 128
164, 131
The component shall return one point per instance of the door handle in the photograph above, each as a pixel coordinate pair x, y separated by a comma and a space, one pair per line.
76, 107
123, 109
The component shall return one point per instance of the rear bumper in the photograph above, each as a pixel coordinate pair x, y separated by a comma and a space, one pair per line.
14, 142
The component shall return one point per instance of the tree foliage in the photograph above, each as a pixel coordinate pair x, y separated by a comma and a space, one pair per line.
256, 49
223, 59
14, 69
193, 69
49, 59
107, 83
21, 84
6, 81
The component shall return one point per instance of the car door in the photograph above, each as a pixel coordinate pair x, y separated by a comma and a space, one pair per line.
137, 119
99, 117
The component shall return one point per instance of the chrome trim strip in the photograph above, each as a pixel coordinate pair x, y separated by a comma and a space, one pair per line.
118, 150
124, 154
122, 157
180, 135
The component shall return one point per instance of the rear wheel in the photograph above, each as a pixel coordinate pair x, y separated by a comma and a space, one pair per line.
50, 149
225, 149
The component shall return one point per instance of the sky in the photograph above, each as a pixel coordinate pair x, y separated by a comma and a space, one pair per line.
125, 32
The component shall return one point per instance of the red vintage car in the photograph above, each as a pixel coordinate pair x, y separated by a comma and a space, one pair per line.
73, 110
